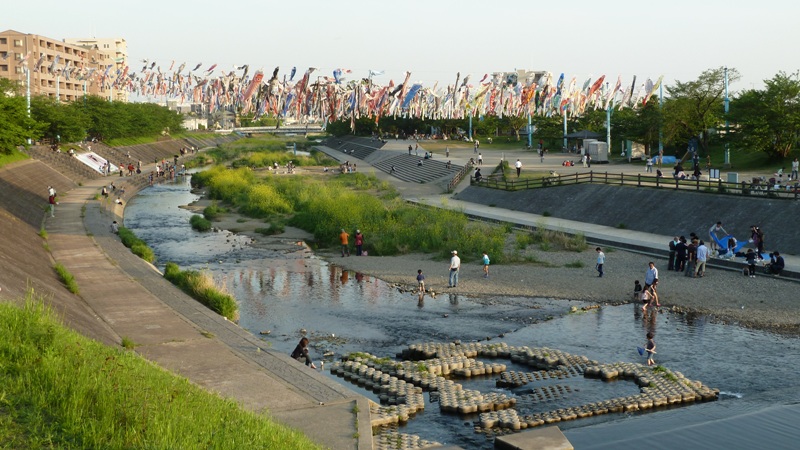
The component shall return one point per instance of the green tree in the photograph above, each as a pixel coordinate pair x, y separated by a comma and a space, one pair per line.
695, 108
768, 120
66, 121
15, 125
640, 125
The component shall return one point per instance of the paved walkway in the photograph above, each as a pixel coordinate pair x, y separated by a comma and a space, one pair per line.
185, 337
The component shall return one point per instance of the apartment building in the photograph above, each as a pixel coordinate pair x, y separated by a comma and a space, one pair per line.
57, 69
115, 48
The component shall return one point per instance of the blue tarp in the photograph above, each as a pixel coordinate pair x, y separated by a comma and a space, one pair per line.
740, 244
668, 160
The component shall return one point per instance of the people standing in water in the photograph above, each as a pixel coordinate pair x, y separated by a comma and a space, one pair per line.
650, 348
300, 353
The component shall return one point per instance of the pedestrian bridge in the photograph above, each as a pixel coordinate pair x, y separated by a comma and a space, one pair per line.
272, 130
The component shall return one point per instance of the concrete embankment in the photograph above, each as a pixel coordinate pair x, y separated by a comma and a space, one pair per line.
657, 211
122, 295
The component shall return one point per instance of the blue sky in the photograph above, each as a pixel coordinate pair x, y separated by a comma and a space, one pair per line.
435, 39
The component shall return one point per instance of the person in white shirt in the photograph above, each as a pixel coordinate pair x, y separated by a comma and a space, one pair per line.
651, 275
795, 167
702, 256
713, 233
455, 265
601, 259
518, 166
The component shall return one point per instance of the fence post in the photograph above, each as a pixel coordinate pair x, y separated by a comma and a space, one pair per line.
638, 180
591, 176
795, 191
576, 177
657, 180
527, 183
621, 179
697, 182
606, 178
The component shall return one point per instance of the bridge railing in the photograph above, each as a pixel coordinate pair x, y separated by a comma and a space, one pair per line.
753, 188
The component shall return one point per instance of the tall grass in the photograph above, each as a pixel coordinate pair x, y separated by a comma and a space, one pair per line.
138, 247
324, 207
67, 278
201, 286
62, 390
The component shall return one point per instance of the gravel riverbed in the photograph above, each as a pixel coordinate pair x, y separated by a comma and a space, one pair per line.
763, 302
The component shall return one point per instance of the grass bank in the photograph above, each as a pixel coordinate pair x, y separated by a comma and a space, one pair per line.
138, 247
62, 390
12, 157
202, 288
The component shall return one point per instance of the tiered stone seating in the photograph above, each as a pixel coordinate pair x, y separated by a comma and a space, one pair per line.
406, 168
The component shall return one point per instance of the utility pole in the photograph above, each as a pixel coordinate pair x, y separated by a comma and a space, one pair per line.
727, 105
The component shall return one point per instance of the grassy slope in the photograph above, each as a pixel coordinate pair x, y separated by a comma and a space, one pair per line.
60, 389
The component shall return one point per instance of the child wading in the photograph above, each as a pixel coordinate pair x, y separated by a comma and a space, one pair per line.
650, 348
420, 281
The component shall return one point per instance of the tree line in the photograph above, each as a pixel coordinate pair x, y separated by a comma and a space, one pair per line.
759, 120
89, 118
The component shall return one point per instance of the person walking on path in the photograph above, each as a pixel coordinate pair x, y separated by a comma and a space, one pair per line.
601, 259
359, 243
455, 266
300, 353
795, 168
51, 199
447, 151
518, 166
650, 348
420, 281
480, 159
714, 234
651, 275
410, 148
343, 239
485, 261
702, 256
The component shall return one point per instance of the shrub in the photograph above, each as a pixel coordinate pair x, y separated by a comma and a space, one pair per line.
274, 228
67, 278
138, 247
201, 286
199, 223
213, 211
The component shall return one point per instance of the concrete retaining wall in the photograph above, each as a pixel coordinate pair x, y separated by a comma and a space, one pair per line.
660, 211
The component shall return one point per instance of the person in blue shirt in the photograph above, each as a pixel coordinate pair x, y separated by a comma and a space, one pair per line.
485, 265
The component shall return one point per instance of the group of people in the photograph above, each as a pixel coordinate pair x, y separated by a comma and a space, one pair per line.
691, 255
344, 240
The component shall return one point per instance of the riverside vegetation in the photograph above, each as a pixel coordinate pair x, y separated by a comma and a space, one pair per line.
201, 286
323, 205
198, 285
63, 390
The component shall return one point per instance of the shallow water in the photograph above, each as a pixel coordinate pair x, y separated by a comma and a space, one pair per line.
282, 293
